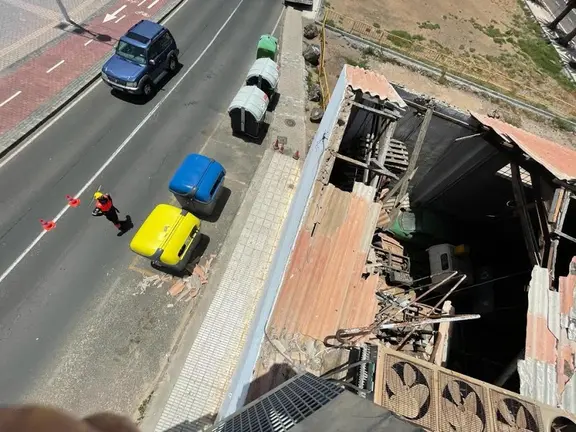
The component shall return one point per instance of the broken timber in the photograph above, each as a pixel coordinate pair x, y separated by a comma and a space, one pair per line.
364, 165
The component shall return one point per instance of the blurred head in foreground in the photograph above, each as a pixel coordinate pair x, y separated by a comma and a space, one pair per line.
34, 418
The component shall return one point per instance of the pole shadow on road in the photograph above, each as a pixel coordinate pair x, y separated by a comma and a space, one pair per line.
141, 99
79, 29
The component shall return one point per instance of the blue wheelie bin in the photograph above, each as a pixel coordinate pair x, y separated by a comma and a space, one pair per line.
198, 183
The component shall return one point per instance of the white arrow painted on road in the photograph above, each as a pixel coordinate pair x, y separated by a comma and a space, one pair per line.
110, 17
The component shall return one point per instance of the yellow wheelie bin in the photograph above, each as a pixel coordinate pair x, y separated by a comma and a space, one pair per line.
167, 237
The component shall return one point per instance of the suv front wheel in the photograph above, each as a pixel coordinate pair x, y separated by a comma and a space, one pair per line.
148, 87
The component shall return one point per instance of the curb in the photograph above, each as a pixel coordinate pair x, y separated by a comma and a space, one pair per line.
450, 77
14, 137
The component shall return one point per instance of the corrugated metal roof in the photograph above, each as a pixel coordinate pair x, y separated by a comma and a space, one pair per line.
323, 289
372, 83
556, 158
547, 372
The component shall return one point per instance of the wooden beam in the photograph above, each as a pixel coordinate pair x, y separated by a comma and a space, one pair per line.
542, 216
388, 114
566, 236
417, 148
527, 229
440, 115
360, 164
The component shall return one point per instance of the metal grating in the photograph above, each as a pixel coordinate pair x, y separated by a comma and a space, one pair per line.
409, 391
462, 404
283, 408
512, 413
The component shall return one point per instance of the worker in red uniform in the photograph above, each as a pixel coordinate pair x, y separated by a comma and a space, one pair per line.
105, 206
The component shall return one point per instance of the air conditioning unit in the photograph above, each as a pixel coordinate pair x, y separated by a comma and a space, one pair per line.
444, 260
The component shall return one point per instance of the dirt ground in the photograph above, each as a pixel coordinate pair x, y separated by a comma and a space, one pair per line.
494, 40
339, 51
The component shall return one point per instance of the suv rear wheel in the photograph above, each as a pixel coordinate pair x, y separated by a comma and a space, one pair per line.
173, 63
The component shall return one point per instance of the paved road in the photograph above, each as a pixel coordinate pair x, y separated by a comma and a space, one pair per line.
75, 329
557, 6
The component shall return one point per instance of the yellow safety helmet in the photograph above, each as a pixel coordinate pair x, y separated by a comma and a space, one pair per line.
98, 195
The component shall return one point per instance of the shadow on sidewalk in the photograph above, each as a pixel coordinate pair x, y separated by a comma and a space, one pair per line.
195, 425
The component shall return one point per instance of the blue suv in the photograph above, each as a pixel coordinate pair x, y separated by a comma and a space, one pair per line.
144, 55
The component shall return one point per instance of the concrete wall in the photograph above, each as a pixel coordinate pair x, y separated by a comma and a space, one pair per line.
237, 390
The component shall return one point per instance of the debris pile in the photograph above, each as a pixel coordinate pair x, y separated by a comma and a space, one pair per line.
188, 287
403, 322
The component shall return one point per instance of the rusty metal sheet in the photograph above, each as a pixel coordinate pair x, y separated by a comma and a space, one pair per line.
556, 158
374, 84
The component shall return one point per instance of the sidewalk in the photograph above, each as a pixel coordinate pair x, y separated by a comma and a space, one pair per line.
199, 389
35, 90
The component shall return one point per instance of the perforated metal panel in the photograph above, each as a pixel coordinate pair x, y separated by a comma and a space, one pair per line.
283, 408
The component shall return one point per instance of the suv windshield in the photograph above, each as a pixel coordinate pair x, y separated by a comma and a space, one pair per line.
131, 52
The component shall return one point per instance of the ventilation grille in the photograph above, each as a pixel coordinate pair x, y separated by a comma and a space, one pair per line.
513, 414
441, 400
462, 404
284, 407
408, 391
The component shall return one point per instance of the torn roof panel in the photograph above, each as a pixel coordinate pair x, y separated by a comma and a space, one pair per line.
376, 85
547, 372
556, 158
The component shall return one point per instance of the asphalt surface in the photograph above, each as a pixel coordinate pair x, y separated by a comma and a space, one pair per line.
76, 330
557, 6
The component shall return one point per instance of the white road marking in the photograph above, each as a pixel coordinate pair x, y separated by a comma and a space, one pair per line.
89, 42
151, 5
278, 21
55, 66
124, 143
142, 2
120, 19
10, 98
113, 15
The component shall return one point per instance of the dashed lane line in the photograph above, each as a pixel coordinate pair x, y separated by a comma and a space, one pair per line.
55, 66
15, 95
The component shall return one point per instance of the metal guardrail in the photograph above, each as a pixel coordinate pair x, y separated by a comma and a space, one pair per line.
481, 72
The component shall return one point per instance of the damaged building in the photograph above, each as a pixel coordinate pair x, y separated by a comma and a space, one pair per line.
423, 267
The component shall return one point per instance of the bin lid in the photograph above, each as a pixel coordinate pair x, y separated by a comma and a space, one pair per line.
268, 43
196, 177
253, 100
157, 229
267, 69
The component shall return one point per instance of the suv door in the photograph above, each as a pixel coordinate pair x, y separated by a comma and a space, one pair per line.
164, 45
154, 53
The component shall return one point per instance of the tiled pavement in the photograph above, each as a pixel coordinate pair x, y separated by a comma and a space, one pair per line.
199, 389
289, 113
40, 86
